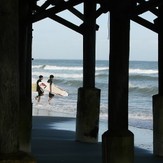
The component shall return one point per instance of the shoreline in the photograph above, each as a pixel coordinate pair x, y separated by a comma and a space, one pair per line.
53, 140
67, 123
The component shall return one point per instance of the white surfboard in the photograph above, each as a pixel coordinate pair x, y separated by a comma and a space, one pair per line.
55, 89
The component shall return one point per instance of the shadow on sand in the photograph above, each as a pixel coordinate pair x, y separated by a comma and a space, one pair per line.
53, 145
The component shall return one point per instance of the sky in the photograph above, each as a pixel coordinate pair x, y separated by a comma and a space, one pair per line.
52, 40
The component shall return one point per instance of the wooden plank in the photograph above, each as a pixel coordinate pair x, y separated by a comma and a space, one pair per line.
56, 9
145, 23
77, 13
147, 6
66, 23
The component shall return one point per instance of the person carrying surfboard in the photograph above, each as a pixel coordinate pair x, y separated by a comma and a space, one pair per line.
39, 89
50, 81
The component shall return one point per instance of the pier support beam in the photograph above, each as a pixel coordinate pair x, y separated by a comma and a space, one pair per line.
10, 85
118, 147
158, 99
157, 125
25, 42
88, 96
87, 124
9, 73
118, 141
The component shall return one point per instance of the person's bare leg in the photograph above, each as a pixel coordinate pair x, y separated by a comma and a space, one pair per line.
38, 98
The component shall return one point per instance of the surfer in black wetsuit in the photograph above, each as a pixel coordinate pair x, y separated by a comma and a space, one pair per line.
50, 81
39, 89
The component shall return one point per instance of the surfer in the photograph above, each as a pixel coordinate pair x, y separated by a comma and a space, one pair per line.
50, 81
39, 89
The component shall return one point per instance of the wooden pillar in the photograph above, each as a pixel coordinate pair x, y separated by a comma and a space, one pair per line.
158, 99
9, 75
88, 97
9, 81
89, 41
118, 142
160, 50
25, 40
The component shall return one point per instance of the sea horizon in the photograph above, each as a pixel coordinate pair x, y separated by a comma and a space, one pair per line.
96, 59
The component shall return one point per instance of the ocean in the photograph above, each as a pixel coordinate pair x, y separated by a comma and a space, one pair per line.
143, 84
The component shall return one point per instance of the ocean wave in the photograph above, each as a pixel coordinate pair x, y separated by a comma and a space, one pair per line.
62, 75
73, 83
140, 115
143, 77
80, 68
47, 67
143, 71
101, 75
102, 68
71, 68
38, 66
143, 89
141, 121
59, 75
69, 76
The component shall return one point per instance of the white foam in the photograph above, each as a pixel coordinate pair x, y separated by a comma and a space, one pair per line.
62, 68
143, 71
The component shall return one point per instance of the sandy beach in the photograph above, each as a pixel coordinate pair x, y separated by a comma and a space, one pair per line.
53, 141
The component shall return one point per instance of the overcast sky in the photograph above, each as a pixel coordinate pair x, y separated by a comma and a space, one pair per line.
52, 40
